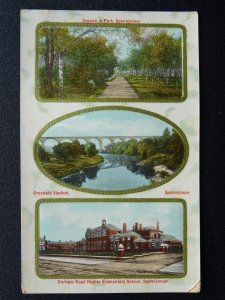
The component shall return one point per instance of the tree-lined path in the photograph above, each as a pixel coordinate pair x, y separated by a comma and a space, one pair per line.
119, 88
76, 63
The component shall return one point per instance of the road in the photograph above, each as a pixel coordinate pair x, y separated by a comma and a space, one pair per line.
138, 266
174, 268
119, 88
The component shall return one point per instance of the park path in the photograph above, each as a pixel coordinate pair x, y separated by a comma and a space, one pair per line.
174, 268
119, 88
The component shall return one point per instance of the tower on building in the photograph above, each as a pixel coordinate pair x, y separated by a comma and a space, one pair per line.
157, 226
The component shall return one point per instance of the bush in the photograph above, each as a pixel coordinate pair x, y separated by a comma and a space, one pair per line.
162, 159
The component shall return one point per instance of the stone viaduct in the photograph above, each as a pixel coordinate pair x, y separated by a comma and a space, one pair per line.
89, 139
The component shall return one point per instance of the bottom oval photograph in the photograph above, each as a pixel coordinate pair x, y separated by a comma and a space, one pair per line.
122, 239
111, 150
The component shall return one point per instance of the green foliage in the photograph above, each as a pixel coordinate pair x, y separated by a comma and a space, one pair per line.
167, 150
86, 62
160, 50
145, 149
90, 64
161, 159
43, 154
90, 149
63, 152
68, 151
132, 148
60, 169
154, 67
155, 87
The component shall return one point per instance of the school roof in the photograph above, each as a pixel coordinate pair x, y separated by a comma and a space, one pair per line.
128, 233
168, 237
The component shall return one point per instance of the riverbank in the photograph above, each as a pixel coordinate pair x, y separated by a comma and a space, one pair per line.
137, 266
60, 169
160, 171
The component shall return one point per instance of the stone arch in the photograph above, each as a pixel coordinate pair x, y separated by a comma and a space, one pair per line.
66, 140
48, 143
82, 141
98, 144
117, 139
126, 139
104, 144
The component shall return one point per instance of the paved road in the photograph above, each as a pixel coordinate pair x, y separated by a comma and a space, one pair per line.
174, 268
119, 88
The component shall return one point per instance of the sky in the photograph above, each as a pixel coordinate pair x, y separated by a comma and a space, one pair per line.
107, 123
124, 46
69, 220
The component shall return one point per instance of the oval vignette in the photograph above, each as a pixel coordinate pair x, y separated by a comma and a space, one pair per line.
111, 150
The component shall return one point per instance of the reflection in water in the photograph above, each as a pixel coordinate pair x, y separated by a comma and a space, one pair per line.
117, 172
91, 173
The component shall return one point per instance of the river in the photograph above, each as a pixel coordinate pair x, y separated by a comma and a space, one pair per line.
117, 172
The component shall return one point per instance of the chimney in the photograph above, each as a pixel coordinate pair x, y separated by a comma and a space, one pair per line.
140, 226
133, 228
124, 227
136, 226
157, 226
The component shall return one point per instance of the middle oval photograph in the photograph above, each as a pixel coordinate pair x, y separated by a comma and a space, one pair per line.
111, 150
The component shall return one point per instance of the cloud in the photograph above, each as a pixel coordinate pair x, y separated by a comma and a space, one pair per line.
82, 126
67, 221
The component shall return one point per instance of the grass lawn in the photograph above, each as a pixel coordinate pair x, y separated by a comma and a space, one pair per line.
60, 169
155, 88
72, 92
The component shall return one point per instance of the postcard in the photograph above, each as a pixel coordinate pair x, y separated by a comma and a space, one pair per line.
109, 152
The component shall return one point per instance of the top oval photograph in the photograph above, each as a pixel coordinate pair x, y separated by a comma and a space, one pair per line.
110, 62
111, 150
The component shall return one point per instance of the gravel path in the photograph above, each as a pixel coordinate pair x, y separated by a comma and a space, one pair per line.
119, 88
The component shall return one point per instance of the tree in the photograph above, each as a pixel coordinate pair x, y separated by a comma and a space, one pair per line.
68, 151
90, 149
166, 133
43, 155
63, 152
146, 149
164, 52
90, 64
133, 63
132, 148
54, 44
51, 40
176, 147
77, 149
156, 54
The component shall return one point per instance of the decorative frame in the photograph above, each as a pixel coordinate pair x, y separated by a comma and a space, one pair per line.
121, 25
119, 192
124, 200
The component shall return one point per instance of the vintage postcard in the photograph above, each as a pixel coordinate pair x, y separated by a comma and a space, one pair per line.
109, 152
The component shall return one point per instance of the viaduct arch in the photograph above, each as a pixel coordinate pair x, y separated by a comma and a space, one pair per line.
88, 139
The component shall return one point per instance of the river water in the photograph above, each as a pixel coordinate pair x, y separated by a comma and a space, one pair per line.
76, 260
117, 172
